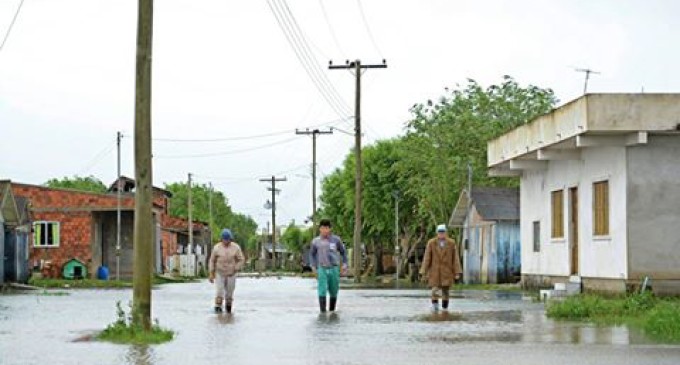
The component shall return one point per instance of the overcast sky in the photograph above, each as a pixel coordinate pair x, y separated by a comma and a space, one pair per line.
224, 69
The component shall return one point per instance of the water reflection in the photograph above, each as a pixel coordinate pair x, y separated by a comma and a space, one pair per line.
139, 355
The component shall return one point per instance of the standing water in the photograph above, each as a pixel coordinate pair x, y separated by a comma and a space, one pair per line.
276, 321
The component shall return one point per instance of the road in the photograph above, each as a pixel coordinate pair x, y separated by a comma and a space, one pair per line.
276, 321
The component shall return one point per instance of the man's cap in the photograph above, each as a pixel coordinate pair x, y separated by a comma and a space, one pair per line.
441, 228
227, 235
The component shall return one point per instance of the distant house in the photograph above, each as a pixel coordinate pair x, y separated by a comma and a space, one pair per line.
15, 229
70, 224
491, 241
599, 193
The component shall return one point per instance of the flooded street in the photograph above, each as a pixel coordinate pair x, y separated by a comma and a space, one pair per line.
277, 321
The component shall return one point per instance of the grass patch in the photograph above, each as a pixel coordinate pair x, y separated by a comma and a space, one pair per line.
658, 318
125, 331
47, 283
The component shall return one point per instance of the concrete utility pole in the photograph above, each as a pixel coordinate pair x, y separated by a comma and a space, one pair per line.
313, 133
143, 228
191, 221
119, 136
273, 180
587, 71
357, 67
396, 196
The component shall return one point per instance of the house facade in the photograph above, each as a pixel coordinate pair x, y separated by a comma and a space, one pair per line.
489, 218
599, 191
70, 224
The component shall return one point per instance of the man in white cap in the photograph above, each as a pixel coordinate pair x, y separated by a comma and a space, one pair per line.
441, 266
226, 260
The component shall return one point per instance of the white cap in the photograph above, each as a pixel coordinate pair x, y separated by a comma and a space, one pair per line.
441, 228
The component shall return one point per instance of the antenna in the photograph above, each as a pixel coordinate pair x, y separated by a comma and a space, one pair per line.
587, 71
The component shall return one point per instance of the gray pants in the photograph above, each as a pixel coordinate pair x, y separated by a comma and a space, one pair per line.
224, 288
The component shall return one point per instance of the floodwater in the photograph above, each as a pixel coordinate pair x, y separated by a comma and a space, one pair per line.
276, 321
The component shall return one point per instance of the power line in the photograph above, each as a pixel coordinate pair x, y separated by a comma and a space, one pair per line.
243, 138
330, 29
368, 29
11, 25
232, 152
98, 157
298, 43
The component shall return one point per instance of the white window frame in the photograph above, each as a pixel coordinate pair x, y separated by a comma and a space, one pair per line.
44, 224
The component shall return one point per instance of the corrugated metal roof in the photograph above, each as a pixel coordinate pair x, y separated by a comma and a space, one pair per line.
492, 203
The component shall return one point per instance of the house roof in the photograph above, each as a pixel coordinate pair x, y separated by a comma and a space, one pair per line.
279, 248
9, 211
129, 185
492, 204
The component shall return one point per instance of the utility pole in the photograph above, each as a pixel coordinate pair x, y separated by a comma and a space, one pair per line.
191, 221
313, 133
357, 67
587, 71
210, 208
273, 180
396, 230
119, 136
143, 234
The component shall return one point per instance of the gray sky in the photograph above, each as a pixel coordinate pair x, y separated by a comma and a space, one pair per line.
223, 69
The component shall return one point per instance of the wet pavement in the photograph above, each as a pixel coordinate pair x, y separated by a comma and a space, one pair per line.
276, 321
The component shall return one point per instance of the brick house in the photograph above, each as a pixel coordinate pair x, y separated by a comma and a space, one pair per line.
70, 224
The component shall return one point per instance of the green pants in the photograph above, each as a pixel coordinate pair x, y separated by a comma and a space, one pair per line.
328, 281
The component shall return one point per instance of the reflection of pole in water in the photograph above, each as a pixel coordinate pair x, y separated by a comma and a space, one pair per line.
140, 355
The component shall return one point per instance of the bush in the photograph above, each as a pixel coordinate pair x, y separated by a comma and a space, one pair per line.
125, 331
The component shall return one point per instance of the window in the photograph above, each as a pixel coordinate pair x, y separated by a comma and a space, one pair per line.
557, 214
537, 236
46, 234
601, 208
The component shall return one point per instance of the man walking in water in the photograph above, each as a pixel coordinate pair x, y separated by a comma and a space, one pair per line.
325, 258
225, 261
441, 265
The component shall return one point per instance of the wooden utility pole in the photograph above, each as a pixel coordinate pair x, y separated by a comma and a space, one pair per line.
143, 234
273, 180
313, 133
358, 68
191, 221
210, 209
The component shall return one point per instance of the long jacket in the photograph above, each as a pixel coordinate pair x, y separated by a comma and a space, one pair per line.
226, 260
441, 264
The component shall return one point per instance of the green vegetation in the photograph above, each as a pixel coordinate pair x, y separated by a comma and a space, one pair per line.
295, 238
428, 165
125, 331
659, 318
243, 226
47, 283
88, 183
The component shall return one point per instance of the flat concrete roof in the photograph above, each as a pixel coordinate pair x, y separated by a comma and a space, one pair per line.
617, 118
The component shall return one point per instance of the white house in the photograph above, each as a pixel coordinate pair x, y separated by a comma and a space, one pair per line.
600, 191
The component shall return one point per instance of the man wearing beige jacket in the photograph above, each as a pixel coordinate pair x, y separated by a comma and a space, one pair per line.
226, 260
441, 267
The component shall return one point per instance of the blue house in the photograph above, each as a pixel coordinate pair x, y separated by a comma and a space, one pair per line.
489, 219
15, 229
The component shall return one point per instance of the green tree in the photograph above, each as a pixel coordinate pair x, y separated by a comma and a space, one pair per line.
242, 226
83, 183
428, 166
292, 237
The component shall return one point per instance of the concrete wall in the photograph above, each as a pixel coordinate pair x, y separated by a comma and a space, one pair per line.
601, 257
654, 208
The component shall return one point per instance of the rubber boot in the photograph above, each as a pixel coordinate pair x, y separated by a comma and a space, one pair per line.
218, 304
435, 305
334, 301
229, 305
322, 304
445, 304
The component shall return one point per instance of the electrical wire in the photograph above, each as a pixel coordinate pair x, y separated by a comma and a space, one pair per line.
330, 29
11, 25
368, 29
223, 153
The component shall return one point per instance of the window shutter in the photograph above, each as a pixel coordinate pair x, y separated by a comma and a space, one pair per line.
37, 233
